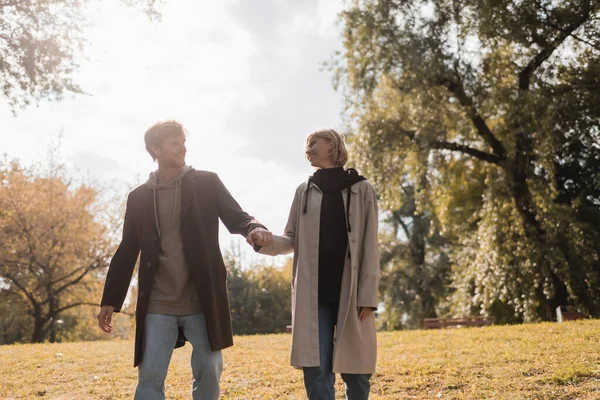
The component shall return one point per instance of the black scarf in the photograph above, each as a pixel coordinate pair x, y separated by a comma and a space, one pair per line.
334, 228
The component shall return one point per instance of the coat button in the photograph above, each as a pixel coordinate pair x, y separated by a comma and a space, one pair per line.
155, 238
148, 264
141, 294
353, 240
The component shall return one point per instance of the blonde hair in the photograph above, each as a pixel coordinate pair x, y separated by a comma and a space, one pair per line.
158, 132
339, 153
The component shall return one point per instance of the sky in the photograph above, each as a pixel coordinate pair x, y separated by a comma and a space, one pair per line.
244, 77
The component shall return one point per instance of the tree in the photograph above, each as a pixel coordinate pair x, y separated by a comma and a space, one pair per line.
259, 296
55, 244
41, 45
415, 266
490, 98
14, 324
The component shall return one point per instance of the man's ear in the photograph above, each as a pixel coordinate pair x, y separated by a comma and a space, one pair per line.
156, 151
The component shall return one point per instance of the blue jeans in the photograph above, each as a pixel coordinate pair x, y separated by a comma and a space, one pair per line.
159, 341
320, 381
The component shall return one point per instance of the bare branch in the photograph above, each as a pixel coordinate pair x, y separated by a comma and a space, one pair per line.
405, 190
19, 265
70, 274
481, 155
461, 148
75, 305
21, 218
455, 87
527, 72
580, 39
27, 294
86, 271
404, 227
73, 282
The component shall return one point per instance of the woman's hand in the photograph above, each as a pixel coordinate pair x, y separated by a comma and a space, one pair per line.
364, 313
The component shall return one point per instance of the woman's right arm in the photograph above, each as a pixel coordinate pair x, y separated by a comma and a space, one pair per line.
285, 244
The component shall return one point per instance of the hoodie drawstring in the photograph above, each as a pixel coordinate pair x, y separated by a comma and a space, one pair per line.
306, 196
348, 199
155, 211
177, 183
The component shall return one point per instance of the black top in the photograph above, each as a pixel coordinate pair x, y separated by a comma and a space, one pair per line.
333, 235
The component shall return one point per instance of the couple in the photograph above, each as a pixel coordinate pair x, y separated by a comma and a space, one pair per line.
173, 220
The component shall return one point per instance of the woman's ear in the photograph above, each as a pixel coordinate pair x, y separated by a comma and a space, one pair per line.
331, 150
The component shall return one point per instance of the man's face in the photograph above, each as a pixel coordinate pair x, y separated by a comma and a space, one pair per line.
318, 152
171, 152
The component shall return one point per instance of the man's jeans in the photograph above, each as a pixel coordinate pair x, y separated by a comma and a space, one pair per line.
159, 342
320, 381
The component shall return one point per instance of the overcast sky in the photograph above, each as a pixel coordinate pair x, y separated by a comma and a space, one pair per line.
244, 77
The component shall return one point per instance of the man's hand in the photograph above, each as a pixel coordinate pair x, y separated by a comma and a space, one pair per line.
364, 312
104, 318
259, 237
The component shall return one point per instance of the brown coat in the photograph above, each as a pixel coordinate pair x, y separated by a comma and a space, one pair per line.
204, 199
355, 345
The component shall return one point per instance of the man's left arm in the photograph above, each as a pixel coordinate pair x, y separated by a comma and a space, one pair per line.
235, 219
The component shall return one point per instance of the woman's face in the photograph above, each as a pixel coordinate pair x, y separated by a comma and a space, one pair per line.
318, 152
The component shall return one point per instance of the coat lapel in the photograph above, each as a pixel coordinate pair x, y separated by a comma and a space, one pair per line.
149, 213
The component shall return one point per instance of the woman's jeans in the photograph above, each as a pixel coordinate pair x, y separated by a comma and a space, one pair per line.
159, 341
320, 381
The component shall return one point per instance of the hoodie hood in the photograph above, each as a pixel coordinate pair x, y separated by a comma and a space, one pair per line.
352, 176
152, 182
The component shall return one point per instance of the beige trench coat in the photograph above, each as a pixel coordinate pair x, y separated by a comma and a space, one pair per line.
355, 343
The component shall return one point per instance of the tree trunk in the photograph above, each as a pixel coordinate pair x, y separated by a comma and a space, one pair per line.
579, 281
52, 317
53, 331
418, 248
534, 232
38, 329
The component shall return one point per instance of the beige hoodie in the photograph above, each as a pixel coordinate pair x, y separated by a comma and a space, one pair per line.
173, 291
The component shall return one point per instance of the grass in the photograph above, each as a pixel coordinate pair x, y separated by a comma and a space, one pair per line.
536, 361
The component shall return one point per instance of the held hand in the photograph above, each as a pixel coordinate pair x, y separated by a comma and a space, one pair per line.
105, 317
260, 237
364, 313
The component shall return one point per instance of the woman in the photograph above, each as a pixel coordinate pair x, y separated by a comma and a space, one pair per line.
332, 230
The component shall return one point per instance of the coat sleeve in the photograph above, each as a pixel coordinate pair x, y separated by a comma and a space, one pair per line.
285, 243
235, 219
123, 262
369, 269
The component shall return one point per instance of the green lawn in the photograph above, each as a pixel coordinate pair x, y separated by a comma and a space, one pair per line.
537, 361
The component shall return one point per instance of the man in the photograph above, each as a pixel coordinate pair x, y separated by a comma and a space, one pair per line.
173, 219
